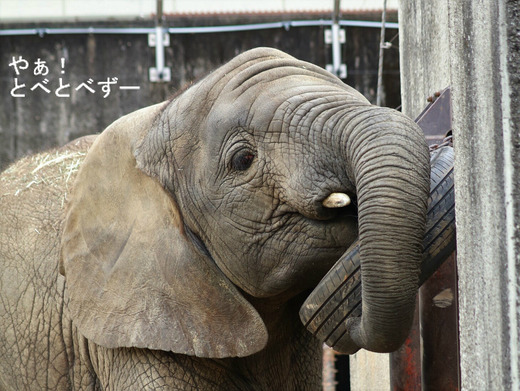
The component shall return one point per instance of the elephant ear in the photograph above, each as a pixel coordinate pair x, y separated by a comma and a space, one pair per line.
133, 276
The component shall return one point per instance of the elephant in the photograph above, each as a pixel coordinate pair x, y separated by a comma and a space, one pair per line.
174, 249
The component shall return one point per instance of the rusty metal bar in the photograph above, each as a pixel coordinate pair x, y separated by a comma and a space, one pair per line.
405, 363
440, 333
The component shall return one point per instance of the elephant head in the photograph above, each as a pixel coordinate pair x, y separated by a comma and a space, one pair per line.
183, 210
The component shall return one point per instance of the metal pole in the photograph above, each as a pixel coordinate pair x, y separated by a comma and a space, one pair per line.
159, 42
159, 7
336, 48
381, 54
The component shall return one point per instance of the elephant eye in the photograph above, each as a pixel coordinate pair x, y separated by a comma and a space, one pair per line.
242, 160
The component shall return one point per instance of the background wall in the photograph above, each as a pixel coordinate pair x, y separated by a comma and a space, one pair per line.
42, 120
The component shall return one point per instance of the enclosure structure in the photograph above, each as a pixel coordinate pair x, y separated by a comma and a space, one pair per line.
473, 47
99, 49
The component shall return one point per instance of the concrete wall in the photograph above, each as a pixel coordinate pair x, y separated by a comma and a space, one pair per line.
42, 120
474, 48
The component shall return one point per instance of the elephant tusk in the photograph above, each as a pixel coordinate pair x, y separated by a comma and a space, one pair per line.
336, 200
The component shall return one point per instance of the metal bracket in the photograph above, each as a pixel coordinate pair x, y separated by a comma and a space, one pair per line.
152, 41
341, 72
336, 37
342, 36
159, 73
156, 76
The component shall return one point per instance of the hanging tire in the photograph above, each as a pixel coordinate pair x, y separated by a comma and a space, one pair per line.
338, 295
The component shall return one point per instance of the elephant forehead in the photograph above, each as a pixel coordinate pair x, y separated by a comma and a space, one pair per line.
290, 101
261, 78
268, 93
285, 73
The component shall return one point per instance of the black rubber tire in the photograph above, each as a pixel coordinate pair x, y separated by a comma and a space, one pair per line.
338, 295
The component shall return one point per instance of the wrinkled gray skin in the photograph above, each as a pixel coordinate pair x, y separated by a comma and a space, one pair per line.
179, 254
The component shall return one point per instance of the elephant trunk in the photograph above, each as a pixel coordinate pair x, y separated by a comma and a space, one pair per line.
388, 162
